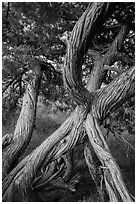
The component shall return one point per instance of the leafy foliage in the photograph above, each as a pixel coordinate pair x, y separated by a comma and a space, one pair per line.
32, 31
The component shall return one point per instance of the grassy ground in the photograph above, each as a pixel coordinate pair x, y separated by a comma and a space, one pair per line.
47, 123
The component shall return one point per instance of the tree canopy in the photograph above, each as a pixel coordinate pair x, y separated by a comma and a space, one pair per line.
33, 30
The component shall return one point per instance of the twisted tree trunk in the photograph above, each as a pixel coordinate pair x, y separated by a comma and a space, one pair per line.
21, 177
93, 107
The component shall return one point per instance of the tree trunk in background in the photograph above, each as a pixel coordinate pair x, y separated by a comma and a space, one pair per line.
14, 145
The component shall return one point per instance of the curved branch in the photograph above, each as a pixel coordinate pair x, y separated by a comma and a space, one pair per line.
113, 95
61, 141
24, 127
111, 54
78, 43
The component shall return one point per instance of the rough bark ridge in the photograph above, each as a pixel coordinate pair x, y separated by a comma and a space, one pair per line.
112, 176
80, 38
108, 99
21, 177
58, 143
14, 145
101, 101
110, 56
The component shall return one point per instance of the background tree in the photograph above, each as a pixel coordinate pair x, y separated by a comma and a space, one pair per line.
94, 54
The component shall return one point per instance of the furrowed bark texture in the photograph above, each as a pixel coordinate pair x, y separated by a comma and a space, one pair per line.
112, 96
95, 170
77, 53
108, 99
55, 170
81, 35
20, 179
25, 124
113, 180
61, 141
94, 83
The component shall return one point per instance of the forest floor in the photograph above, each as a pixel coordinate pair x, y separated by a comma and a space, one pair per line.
47, 123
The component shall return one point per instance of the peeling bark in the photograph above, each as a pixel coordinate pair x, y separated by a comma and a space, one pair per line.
61, 141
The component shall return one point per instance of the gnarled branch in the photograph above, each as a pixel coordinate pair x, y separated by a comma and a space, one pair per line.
24, 127
81, 36
113, 95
